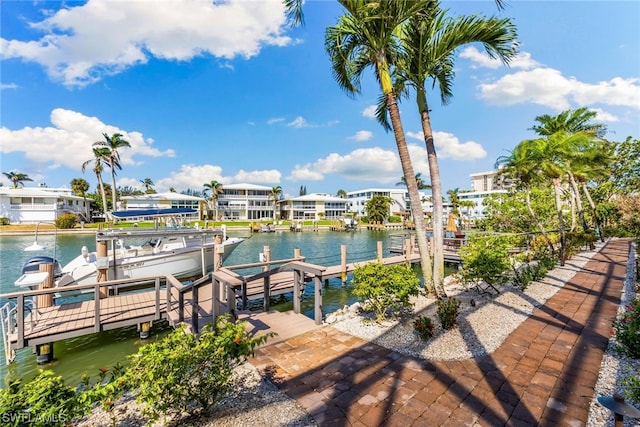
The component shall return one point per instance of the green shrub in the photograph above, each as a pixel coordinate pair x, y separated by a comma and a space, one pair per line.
632, 392
627, 330
424, 326
43, 401
487, 259
448, 312
66, 221
395, 219
4, 220
185, 374
385, 288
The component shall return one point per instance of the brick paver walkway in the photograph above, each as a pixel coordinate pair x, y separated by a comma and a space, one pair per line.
543, 374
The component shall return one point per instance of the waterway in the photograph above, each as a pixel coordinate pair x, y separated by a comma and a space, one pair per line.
88, 354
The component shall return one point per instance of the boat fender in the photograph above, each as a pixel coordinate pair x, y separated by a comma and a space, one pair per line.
85, 253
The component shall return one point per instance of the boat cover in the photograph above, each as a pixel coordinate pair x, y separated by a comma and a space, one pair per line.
153, 212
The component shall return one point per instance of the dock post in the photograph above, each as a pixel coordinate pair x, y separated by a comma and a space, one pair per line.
145, 330
44, 352
218, 251
298, 281
317, 312
267, 280
379, 250
343, 263
407, 251
102, 272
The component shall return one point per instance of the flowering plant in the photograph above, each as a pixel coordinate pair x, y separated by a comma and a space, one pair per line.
423, 325
447, 312
627, 330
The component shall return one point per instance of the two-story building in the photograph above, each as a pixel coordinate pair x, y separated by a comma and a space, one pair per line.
313, 207
30, 205
247, 202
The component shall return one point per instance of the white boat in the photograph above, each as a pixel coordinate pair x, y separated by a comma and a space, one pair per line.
184, 252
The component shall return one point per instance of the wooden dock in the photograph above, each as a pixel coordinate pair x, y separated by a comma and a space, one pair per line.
164, 297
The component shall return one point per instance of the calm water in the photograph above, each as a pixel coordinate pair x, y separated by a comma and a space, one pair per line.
73, 357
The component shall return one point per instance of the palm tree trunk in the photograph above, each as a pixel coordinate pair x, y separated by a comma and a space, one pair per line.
102, 193
563, 240
114, 195
576, 192
412, 188
596, 220
543, 231
436, 192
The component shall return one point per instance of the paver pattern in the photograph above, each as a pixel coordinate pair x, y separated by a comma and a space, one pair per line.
542, 375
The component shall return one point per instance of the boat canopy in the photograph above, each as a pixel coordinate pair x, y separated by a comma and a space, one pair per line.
153, 212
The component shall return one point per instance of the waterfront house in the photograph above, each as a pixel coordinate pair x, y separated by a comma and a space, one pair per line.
30, 205
313, 206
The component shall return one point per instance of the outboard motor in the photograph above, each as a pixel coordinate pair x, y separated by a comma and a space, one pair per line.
32, 265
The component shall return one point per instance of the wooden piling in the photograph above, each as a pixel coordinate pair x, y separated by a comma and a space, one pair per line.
266, 250
101, 249
343, 263
46, 300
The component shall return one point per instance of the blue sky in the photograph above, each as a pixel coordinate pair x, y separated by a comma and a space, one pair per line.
229, 92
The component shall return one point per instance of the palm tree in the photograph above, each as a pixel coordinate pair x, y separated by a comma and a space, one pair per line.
148, 185
523, 170
341, 193
113, 143
216, 189
17, 178
422, 185
80, 186
430, 41
100, 155
275, 195
367, 36
377, 208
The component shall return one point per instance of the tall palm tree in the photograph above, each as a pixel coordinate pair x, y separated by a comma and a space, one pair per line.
100, 156
80, 186
430, 42
367, 36
17, 178
113, 143
275, 194
341, 193
216, 189
148, 184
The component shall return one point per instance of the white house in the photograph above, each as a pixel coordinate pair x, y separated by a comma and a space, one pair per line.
42, 204
245, 202
313, 206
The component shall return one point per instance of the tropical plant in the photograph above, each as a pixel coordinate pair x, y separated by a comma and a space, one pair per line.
100, 155
429, 44
182, 373
422, 185
17, 179
424, 327
275, 194
485, 261
366, 36
303, 190
627, 329
341, 193
113, 143
377, 208
385, 289
148, 184
66, 221
216, 189
447, 311
80, 187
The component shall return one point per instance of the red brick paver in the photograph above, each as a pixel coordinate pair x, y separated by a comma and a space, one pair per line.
542, 375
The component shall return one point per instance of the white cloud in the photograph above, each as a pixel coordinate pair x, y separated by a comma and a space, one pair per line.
271, 176
362, 135
605, 116
275, 120
191, 177
480, 59
299, 122
370, 112
75, 51
364, 164
4, 86
69, 141
448, 146
548, 87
